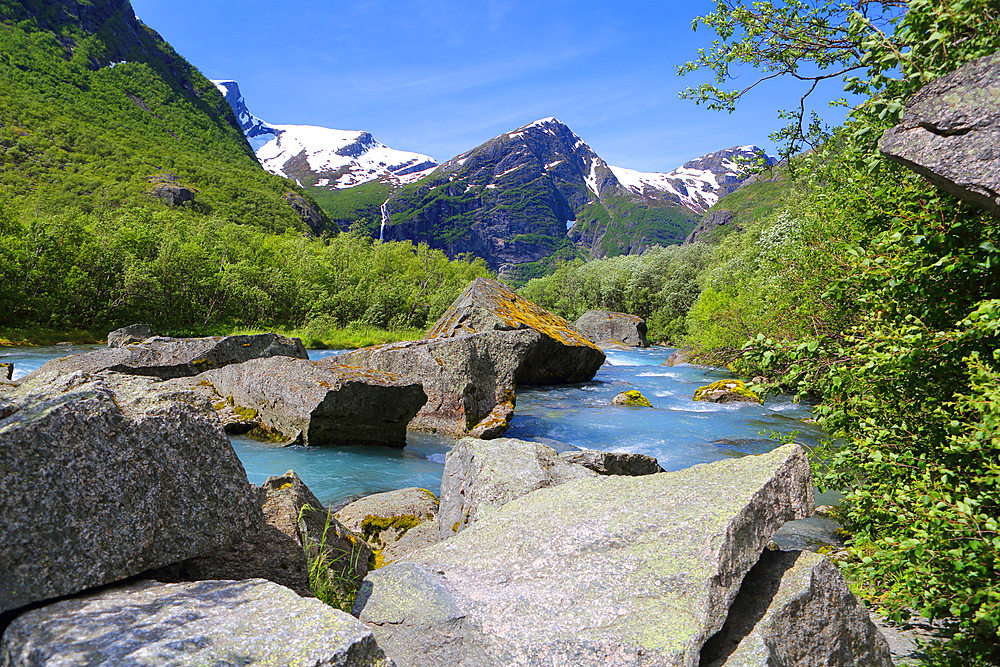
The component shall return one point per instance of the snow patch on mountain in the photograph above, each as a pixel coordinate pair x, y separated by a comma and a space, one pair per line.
698, 183
329, 158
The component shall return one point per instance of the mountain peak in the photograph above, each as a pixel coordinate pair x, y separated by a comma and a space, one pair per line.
322, 156
698, 183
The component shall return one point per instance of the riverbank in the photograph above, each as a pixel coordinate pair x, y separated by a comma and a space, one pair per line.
349, 338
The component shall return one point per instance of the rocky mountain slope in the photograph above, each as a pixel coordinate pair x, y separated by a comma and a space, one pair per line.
528, 196
697, 184
322, 157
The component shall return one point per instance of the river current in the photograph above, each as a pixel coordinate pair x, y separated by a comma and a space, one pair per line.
676, 430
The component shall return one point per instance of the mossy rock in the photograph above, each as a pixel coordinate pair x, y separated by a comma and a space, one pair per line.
726, 391
633, 397
380, 530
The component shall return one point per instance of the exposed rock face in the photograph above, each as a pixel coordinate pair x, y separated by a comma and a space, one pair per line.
277, 550
562, 354
133, 333
950, 133
795, 610
481, 476
307, 211
726, 391
115, 476
319, 403
7, 371
711, 224
384, 520
512, 200
204, 623
606, 325
173, 195
167, 358
613, 463
597, 571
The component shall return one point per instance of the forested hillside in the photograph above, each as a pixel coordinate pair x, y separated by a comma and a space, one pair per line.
128, 193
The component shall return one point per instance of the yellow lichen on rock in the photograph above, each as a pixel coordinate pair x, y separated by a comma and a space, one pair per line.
633, 398
726, 391
513, 310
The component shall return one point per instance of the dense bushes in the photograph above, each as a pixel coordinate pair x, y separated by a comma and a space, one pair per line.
659, 286
185, 272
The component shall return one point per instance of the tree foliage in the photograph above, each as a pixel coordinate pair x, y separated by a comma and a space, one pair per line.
188, 273
660, 285
879, 295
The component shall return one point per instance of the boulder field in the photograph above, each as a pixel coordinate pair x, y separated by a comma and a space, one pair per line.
132, 535
615, 570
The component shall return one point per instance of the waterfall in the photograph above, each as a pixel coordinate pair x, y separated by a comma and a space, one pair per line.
385, 219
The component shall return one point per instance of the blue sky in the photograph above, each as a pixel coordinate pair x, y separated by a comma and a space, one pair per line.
440, 76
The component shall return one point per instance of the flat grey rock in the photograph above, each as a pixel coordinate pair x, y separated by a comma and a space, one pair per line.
166, 358
208, 623
114, 475
605, 570
481, 476
950, 133
795, 610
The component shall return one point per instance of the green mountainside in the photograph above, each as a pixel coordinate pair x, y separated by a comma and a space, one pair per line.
97, 111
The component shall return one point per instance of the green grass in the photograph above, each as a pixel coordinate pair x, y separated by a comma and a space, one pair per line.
348, 338
331, 585
36, 335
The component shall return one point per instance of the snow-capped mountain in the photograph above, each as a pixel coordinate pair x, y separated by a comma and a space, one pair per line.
322, 156
698, 183
527, 195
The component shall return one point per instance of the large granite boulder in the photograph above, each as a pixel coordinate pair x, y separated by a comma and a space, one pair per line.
394, 523
469, 380
469, 363
950, 132
599, 325
107, 476
318, 402
607, 571
204, 623
133, 333
795, 610
559, 354
613, 463
481, 476
167, 358
294, 533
